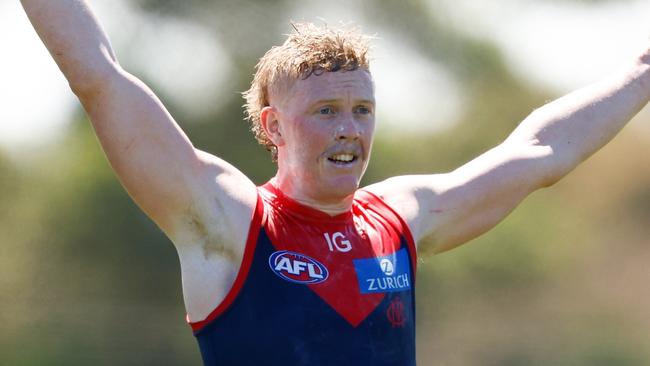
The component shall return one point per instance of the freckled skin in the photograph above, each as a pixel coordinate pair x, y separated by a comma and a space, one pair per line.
322, 115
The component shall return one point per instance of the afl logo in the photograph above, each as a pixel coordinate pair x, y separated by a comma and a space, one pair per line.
297, 268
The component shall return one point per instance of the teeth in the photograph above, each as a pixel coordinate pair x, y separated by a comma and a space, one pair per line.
346, 158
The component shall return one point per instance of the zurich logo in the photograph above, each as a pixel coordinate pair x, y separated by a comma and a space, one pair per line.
297, 268
387, 266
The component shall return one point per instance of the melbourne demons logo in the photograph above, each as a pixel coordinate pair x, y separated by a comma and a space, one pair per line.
395, 313
297, 268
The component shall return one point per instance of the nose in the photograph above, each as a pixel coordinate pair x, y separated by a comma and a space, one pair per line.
347, 129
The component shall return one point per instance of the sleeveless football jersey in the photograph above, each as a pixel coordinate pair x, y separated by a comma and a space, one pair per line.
315, 289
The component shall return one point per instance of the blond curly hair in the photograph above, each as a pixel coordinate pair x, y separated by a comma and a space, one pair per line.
310, 49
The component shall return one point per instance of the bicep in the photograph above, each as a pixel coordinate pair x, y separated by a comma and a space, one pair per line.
452, 208
153, 158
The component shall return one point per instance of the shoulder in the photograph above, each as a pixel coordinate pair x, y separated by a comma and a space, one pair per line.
396, 196
400, 193
412, 197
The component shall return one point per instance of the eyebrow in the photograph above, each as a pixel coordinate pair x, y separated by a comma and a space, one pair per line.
333, 101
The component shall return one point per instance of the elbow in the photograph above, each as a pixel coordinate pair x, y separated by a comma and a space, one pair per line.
542, 164
550, 180
86, 83
554, 167
88, 78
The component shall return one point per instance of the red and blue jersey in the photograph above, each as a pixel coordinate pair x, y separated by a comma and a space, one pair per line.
315, 289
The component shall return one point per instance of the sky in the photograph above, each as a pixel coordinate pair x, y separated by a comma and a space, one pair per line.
557, 45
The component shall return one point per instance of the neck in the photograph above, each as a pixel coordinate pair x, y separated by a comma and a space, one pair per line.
332, 205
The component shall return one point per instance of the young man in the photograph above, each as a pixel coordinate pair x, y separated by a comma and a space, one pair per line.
309, 269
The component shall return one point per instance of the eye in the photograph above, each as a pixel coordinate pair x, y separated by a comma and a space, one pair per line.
362, 109
327, 110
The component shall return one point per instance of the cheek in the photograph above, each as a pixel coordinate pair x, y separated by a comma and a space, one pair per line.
306, 144
369, 132
315, 135
370, 128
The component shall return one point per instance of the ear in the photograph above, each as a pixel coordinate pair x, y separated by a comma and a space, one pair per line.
269, 118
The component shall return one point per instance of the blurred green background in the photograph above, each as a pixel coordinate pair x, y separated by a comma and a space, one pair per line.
86, 278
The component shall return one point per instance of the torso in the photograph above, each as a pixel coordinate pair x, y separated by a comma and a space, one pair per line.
316, 289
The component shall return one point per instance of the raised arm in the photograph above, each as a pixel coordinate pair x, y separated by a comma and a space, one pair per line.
455, 207
168, 178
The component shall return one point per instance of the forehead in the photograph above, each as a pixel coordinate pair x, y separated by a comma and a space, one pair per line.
341, 85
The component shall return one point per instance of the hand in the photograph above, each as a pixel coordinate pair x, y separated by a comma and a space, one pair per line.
642, 68
645, 54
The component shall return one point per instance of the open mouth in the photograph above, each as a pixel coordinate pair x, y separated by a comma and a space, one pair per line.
342, 159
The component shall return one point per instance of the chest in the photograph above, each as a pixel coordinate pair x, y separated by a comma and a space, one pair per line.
352, 265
